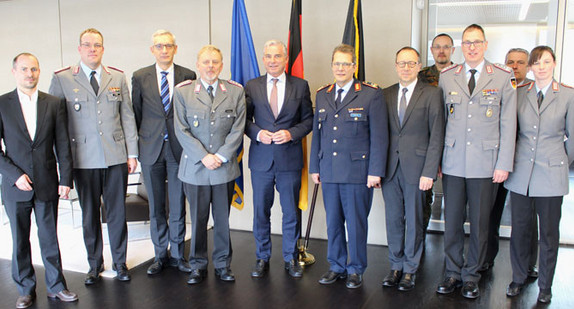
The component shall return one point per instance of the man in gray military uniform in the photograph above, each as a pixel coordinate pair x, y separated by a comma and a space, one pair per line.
209, 123
480, 134
104, 146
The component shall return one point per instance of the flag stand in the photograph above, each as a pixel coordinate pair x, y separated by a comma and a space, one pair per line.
305, 258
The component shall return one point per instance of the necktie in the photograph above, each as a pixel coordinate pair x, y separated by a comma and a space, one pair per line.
273, 99
94, 82
403, 106
540, 98
339, 95
210, 92
471, 82
164, 93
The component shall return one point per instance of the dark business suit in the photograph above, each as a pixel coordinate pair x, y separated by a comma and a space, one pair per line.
37, 159
350, 142
277, 165
415, 150
160, 161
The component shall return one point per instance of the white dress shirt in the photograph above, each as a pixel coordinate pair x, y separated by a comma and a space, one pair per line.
29, 111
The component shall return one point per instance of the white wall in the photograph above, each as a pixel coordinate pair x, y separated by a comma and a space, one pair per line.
50, 29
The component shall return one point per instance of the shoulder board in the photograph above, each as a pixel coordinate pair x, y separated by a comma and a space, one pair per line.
372, 85
324, 86
184, 83
567, 86
450, 67
62, 69
115, 69
502, 67
235, 83
524, 85
555, 86
531, 86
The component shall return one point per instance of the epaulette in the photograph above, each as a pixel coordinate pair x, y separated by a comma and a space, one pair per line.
372, 85
525, 84
450, 67
235, 83
185, 82
62, 69
323, 87
567, 86
502, 67
115, 69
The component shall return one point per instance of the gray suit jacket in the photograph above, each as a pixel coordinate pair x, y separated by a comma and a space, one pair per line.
418, 143
203, 127
542, 154
151, 119
102, 128
480, 127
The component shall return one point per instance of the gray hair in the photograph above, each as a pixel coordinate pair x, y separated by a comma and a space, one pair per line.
161, 32
273, 43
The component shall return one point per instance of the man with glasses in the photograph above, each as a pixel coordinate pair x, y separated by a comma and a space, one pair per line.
159, 151
103, 136
480, 104
517, 59
348, 157
416, 133
441, 49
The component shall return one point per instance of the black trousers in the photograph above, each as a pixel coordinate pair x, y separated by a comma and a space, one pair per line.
549, 211
200, 198
46, 219
111, 184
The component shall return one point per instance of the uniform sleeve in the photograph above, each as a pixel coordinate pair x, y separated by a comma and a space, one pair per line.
508, 121
128, 120
436, 128
235, 137
569, 143
379, 134
56, 87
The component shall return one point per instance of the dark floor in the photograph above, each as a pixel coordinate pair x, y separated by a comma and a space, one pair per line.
278, 290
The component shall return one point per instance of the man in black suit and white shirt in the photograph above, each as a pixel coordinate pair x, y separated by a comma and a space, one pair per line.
33, 127
152, 92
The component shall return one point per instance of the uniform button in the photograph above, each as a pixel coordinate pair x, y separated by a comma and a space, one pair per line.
356, 118
212, 123
212, 112
469, 116
73, 139
210, 146
336, 115
98, 102
534, 127
531, 160
185, 156
335, 153
534, 138
364, 156
470, 102
334, 141
99, 112
468, 143
100, 122
469, 129
532, 149
335, 128
101, 133
211, 134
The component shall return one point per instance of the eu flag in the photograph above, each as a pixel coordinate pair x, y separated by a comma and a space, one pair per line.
243, 68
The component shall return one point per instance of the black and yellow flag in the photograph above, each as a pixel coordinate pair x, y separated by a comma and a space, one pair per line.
353, 35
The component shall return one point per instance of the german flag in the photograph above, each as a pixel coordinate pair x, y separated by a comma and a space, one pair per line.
353, 35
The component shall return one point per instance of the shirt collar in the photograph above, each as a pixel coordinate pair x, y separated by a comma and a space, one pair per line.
205, 85
24, 97
346, 87
281, 78
410, 86
478, 68
169, 70
88, 71
545, 88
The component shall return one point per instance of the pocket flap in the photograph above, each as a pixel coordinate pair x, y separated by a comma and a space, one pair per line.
359, 155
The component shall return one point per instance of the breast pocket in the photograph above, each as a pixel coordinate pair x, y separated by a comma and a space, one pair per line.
453, 106
115, 99
356, 123
321, 120
196, 119
490, 108
78, 106
226, 118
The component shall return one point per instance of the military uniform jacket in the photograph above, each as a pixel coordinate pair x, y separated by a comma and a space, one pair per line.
429, 75
480, 130
204, 127
102, 128
544, 148
350, 141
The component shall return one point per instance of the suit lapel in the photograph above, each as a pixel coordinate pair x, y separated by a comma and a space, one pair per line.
16, 107
288, 92
80, 78
350, 96
532, 100
105, 79
484, 79
549, 97
40, 115
220, 94
393, 105
460, 79
263, 93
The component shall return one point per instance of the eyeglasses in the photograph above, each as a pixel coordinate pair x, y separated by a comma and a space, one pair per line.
468, 44
90, 46
345, 65
411, 64
438, 47
162, 46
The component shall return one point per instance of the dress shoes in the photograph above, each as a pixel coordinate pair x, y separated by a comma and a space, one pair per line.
181, 264
197, 276
486, 266
260, 269
225, 274
24, 301
155, 268
294, 268
393, 278
532, 272
64, 295
448, 285
93, 275
354, 281
514, 289
122, 273
470, 290
331, 276
407, 283
544, 296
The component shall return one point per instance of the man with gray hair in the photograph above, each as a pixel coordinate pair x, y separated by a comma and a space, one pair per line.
152, 93
279, 116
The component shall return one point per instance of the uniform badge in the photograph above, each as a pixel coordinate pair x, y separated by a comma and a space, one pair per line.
453, 93
77, 107
489, 112
513, 82
319, 126
195, 121
451, 109
115, 91
75, 90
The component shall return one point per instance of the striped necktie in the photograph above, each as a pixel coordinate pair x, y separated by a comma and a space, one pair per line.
164, 93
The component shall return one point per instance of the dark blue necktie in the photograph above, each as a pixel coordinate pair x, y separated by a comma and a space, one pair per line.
164, 93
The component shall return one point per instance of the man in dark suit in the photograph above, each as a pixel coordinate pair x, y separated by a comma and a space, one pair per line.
159, 150
416, 133
279, 116
33, 128
348, 157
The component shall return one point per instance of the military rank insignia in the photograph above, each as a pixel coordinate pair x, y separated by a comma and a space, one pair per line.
513, 82
115, 91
